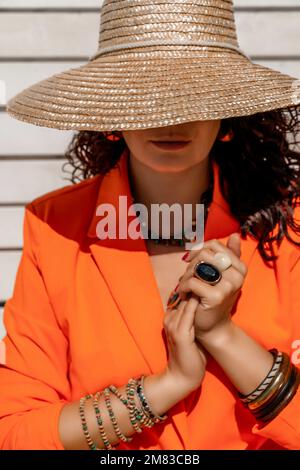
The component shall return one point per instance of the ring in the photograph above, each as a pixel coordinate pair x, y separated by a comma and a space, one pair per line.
207, 272
223, 261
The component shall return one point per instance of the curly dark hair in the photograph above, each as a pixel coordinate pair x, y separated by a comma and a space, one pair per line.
259, 171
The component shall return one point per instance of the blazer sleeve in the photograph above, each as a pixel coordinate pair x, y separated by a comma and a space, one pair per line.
285, 428
34, 366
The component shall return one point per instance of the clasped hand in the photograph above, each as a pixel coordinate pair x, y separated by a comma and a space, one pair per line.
204, 309
215, 303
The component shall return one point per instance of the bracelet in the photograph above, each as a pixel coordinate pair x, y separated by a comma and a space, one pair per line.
274, 387
117, 430
289, 396
86, 433
141, 394
278, 356
275, 391
148, 421
279, 397
143, 416
103, 434
134, 414
282, 386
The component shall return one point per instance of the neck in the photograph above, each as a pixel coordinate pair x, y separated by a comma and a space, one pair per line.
151, 187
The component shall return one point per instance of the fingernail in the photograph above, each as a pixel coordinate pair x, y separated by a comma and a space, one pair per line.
173, 300
185, 256
176, 287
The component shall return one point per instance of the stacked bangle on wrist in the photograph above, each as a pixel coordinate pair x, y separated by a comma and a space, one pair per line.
84, 425
144, 402
140, 417
278, 357
276, 390
102, 432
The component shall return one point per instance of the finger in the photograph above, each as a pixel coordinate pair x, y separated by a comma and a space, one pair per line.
222, 261
232, 280
217, 246
206, 255
187, 318
170, 310
234, 243
173, 316
209, 256
196, 287
234, 277
209, 245
213, 295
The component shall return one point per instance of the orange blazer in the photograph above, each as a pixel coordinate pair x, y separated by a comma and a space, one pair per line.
86, 313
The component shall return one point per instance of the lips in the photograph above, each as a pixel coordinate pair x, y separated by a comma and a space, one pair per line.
170, 145
173, 139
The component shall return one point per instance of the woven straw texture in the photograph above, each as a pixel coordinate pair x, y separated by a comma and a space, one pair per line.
158, 63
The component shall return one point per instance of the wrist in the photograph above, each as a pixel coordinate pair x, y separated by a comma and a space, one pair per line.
219, 337
178, 385
161, 392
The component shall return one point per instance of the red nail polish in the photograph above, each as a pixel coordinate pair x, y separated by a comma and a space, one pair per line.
185, 256
176, 287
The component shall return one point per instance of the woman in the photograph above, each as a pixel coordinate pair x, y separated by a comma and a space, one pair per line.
98, 353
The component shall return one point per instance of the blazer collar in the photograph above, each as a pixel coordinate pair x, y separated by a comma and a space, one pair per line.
127, 270
126, 264
220, 222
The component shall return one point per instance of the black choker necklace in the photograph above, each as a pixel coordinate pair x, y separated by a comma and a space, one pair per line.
206, 199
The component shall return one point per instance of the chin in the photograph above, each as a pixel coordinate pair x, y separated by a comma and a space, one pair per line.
172, 163
167, 167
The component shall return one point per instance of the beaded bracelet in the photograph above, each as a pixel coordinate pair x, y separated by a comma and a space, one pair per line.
147, 421
139, 417
117, 430
88, 438
103, 434
135, 414
141, 394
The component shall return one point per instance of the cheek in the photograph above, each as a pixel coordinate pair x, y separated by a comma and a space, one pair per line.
137, 147
135, 140
210, 131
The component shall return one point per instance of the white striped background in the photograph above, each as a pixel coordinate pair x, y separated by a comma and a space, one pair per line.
41, 37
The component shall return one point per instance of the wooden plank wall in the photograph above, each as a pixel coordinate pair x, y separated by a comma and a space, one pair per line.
41, 37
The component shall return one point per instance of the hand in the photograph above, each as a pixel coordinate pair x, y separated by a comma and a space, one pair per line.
215, 302
187, 361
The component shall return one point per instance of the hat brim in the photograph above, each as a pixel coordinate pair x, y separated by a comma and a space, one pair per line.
140, 89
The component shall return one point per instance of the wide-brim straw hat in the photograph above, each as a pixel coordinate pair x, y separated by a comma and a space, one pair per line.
158, 63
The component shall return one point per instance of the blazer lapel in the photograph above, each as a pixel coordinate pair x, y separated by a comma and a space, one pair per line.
127, 269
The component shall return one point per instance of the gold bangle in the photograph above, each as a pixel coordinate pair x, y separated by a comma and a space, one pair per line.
275, 386
286, 399
278, 390
257, 392
279, 395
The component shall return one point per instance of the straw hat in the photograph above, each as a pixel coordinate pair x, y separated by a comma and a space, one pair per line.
159, 63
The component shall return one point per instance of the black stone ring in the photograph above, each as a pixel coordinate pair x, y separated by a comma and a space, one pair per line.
207, 272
